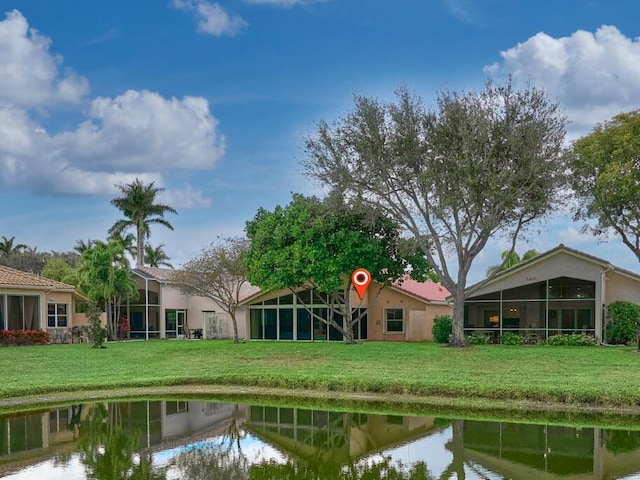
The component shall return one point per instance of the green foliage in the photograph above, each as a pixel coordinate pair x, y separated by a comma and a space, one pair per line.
156, 257
23, 337
104, 276
571, 340
623, 322
96, 332
441, 329
510, 338
57, 268
473, 339
138, 205
605, 178
324, 241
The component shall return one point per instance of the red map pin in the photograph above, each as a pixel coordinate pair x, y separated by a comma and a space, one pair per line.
361, 280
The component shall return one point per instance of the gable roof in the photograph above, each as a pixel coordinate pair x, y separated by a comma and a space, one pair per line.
10, 277
429, 291
164, 276
545, 256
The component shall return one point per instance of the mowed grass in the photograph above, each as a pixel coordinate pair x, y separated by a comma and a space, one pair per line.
595, 376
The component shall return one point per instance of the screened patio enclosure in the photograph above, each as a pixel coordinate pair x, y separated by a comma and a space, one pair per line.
536, 311
286, 318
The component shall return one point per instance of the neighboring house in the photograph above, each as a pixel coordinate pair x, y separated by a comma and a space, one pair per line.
31, 302
557, 292
174, 314
402, 312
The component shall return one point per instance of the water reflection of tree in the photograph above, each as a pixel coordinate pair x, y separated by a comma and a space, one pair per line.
109, 452
223, 459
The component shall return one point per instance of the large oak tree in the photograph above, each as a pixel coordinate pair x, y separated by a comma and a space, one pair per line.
606, 176
480, 164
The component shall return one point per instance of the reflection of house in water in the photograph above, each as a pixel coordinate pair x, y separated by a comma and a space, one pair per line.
28, 439
545, 451
317, 436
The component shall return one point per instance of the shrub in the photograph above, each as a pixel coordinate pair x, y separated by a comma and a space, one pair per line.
510, 338
474, 339
623, 322
96, 332
23, 337
572, 340
441, 328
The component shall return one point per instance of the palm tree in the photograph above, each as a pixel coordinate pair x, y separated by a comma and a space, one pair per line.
128, 241
81, 245
138, 206
7, 246
510, 259
156, 257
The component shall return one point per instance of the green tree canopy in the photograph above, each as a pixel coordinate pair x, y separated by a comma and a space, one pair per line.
139, 205
479, 165
606, 175
57, 268
319, 243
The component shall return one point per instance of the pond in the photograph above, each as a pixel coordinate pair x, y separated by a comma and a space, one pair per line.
183, 439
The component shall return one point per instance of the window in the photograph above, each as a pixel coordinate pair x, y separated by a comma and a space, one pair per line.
57, 315
394, 320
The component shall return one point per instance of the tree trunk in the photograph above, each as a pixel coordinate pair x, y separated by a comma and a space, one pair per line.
457, 322
235, 326
140, 247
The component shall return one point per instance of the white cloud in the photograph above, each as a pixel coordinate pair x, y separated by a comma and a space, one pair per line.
594, 75
29, 73
462, 10
184, 198
212, 18
137, 134
143, 130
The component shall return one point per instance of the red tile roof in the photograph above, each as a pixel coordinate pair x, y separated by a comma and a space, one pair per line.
10, 277
430, 291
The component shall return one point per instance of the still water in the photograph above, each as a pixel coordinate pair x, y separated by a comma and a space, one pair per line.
163, 440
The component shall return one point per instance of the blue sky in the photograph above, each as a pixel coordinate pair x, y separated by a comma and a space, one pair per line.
212, 100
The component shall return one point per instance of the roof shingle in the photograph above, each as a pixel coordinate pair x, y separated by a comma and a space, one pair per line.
17, 278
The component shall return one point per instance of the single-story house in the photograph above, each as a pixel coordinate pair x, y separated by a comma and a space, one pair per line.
162, 310
557, 292
403, 312
31, 302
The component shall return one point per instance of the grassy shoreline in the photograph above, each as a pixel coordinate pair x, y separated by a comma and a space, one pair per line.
531, 378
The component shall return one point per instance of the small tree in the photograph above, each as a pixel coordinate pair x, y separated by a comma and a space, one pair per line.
96, 332
57, 268
318, 244
104, 275
219, 272
479, 165
441, 329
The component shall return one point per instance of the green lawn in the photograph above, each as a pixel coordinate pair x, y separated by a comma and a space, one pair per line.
601, 376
